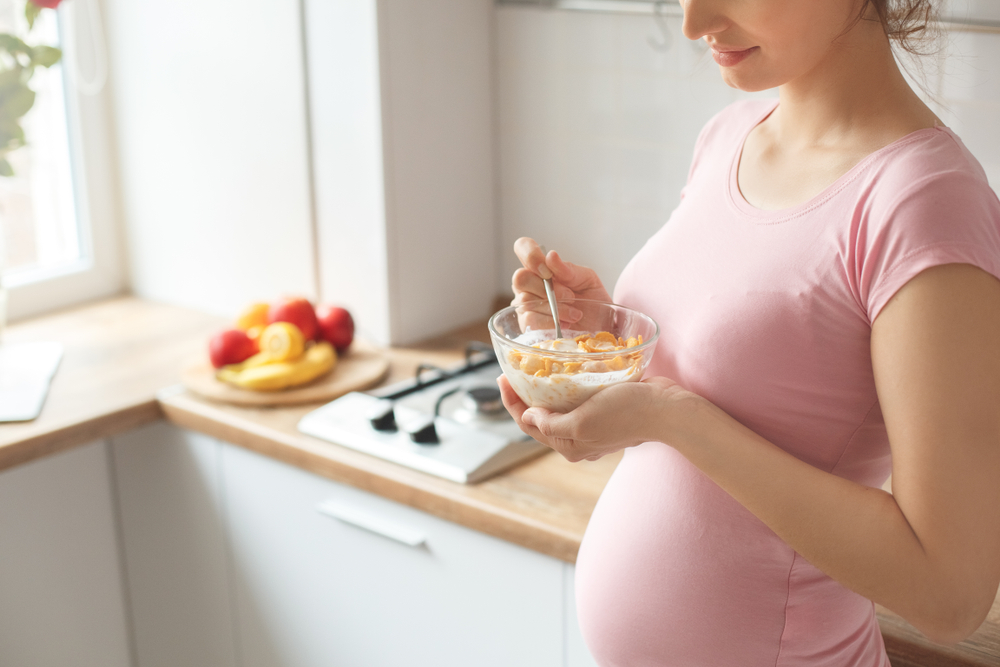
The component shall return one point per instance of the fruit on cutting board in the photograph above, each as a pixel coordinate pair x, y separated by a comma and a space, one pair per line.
297, 311
276, 375
254, 315
231, 346
336, 326
282, 341
280, 344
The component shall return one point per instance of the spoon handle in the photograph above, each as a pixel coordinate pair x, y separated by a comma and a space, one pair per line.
553, 306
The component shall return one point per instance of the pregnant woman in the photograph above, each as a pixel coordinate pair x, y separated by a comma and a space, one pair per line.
829, 304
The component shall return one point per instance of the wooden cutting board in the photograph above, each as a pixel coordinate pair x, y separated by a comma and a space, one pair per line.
362, 366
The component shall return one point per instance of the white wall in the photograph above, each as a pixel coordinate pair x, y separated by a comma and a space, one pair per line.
438, 128
401, 101
596, 126
968, 84
210, 111
346, 109
215, 152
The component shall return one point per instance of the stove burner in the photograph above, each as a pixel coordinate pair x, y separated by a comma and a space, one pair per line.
483, 400
480, 404
450, 422
477, 403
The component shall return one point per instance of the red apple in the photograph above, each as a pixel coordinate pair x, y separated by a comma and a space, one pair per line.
336, 326
230, 347
297, 311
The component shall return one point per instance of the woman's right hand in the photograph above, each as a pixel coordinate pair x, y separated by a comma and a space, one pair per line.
569, 281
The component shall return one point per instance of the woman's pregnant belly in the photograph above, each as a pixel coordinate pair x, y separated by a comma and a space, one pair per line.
673, 571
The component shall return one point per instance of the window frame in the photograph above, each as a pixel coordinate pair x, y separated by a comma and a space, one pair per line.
101, 270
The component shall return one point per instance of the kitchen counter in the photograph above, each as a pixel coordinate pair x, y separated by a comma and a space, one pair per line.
117, 354
543, 505
120, 371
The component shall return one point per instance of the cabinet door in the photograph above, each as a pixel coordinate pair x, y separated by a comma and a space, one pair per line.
318, 591
174, 541
61, 599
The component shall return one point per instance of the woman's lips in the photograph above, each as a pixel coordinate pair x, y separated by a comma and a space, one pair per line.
732, 58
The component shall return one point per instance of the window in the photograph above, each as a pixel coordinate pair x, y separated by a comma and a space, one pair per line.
58, 220
41, 230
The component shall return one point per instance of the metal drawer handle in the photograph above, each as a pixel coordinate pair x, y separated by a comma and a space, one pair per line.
371, 523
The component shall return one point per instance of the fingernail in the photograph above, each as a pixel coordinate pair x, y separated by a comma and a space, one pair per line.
544, 272
528, 417
571, 314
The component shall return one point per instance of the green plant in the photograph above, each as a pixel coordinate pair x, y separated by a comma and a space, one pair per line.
18, 61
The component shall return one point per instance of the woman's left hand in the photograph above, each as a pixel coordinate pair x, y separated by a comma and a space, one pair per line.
620, 416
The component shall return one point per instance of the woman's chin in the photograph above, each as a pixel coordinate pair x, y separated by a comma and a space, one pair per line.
746, 81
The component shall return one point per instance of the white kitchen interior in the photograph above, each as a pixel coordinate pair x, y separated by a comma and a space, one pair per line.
384, 155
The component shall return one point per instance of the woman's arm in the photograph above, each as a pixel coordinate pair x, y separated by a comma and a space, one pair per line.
936, 357
930, 551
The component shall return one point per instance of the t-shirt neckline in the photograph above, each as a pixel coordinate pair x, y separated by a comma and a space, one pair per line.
766, 216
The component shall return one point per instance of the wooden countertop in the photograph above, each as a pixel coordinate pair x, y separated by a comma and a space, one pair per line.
543, 505
119, 353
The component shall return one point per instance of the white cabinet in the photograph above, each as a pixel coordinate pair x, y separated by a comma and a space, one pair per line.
225, 558
173, 534
316, 591
61, 594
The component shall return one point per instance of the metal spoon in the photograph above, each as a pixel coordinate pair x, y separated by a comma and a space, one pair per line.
553, 306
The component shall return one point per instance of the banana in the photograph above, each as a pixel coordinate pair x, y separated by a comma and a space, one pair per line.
277, 375
259, 359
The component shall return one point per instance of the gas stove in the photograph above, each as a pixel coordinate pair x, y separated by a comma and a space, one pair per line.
446, 422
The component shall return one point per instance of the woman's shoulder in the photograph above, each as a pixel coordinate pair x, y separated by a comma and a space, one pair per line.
928, 163
922, 201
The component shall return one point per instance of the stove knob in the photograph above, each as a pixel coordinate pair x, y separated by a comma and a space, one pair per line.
382, 418
424, 433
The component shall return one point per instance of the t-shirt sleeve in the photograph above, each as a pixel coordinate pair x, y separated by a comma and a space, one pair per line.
946, 218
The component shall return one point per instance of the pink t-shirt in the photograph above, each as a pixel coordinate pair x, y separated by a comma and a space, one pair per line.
768, 315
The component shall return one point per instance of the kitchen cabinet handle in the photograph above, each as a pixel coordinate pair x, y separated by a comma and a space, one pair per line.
372, 523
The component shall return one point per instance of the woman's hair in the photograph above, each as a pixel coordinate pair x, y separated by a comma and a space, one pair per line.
910, 24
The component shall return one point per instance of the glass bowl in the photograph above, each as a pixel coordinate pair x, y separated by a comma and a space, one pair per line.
609, 345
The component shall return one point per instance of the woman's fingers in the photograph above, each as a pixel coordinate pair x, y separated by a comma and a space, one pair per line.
527, 282
554, 430
534, 312
560, 269
516, 407
531, 256
553, 425
569, 282
524, 281
583, 281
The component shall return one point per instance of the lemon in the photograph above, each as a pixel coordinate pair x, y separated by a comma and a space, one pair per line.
282, 341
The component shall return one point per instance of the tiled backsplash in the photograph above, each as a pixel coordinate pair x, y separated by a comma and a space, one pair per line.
598, 114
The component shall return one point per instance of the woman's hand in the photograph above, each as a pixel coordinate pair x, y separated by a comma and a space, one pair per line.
620, 416
569, 281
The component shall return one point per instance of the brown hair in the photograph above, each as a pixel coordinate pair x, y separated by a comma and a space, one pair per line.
908, 23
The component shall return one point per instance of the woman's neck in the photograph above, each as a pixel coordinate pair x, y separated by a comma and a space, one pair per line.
856, 95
